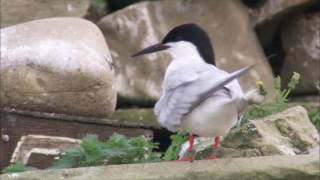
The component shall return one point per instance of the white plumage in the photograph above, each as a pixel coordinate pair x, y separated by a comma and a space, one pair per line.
196, 95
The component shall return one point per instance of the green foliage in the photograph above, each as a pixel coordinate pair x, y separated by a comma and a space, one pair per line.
117, 150
99, 3
97, 10
17, 167
91, 152
282, 94
314, 116
264, 109
176, 141
280, 102
134, 150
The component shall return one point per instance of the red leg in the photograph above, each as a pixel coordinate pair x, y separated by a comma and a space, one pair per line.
217, 142
191, 141
215, 146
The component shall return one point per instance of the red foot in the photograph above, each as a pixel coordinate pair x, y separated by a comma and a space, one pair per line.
212, 157
186, 158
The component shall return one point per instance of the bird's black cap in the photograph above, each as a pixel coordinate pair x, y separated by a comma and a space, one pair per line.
186, 32
194, 34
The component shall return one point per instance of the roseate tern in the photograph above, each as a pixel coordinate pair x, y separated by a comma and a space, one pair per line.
197, 96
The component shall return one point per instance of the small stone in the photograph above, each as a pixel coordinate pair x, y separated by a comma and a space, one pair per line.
5, 138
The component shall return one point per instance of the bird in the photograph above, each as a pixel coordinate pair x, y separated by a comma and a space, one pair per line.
196, 95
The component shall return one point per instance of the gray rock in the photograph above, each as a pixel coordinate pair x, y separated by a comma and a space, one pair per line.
41, 144
301, 41
268, 18
278, 9
203, 149
143, 24
19, 11
62, 65
259, 168
286, 133
307, 99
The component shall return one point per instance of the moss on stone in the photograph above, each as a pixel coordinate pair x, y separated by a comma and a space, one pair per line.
134, 102
142, 117
242, 137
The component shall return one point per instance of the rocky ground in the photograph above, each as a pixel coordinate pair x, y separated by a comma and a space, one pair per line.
273, 167
286, 133
66, 71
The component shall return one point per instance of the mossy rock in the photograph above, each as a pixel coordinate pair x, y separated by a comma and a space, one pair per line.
138, 116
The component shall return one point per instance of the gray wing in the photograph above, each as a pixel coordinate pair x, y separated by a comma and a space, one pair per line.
184, 91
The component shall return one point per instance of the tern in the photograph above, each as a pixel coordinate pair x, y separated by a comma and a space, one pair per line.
197, 96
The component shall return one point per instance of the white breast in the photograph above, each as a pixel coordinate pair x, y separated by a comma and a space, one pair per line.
214, 117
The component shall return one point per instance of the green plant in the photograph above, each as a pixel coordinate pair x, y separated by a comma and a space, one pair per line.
280, 102
134, 150
282, 94
90, 153
263, 110
176, 141
17, 167
117, 150
314, 116
100, 3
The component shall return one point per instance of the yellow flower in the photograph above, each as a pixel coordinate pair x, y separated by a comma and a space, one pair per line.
259, 83
260, 87
296, 76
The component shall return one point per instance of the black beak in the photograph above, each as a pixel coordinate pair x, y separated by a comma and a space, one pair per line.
151, 49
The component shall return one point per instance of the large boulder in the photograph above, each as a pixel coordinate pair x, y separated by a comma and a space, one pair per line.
272, 10
59, 65
19, 11
286, 133
301, 41
268, 15
143, 24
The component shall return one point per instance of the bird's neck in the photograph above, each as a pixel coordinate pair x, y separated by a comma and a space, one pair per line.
186, 52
